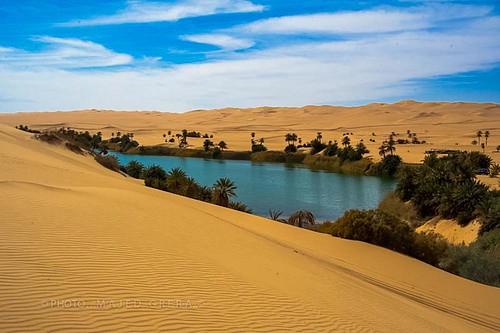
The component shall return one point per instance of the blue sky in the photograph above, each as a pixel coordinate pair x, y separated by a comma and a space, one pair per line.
190, 54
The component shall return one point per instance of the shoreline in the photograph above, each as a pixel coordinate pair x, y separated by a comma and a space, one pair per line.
363, 167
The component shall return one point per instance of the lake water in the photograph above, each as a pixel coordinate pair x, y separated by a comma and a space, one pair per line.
264, 186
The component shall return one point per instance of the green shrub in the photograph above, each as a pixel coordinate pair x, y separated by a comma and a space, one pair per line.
480, 261
375, 227
489, 212
278, 157
335, 164
155, 172
389, 166
108, 161
386, 230
258, 147
444, 186
49, 138
134, 169
428, 247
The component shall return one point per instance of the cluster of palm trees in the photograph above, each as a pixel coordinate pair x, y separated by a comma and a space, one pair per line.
208, 144
178, 182
256, 145
480, 134
291, 138
388, 147
300, 218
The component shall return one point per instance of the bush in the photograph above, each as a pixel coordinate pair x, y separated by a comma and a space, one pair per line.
428, 247
278, 157
317, 146
134, 169
386, 230
490, 212
375, 227
480, 261
445, 186
335, 164
49, 138
258, 147
290, 149
389, 166
155, 172
74, 148
108, 161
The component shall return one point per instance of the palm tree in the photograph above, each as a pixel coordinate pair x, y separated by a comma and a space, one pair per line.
391, 145
319, 137
275, 215
346, 142
164, 135
382, 150
290, 138
222, 145
479, 135
224, 189
486, 136
176, 179
474, 142
207, 144
498, 148
301, 219
361, 149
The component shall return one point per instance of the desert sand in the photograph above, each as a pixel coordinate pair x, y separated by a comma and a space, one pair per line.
442, 125
86, 249
452, 231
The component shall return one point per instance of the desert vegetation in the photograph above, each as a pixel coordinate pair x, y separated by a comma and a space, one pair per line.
26, 128
178, 182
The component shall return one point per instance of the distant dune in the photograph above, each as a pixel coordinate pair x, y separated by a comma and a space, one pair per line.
85, 249
442, 125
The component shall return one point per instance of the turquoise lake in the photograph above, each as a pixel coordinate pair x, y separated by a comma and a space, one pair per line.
264, 186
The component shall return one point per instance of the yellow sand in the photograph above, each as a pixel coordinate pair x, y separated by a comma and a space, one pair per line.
452, 231
85, 249
442, 125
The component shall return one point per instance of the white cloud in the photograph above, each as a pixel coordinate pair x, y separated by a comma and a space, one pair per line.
371, 66
225, 42
64, 53
334, 72
366, 21
138, 11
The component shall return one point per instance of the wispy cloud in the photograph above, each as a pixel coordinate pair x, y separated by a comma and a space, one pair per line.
368, 62
366, 21
69, 53
368, 68
224, 42
137, 11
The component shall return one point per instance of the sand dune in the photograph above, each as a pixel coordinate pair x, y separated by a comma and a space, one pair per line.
442, 125
86, 249
452, 231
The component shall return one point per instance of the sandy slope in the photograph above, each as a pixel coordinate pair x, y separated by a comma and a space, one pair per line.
86, 249
442, 125
452, 231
